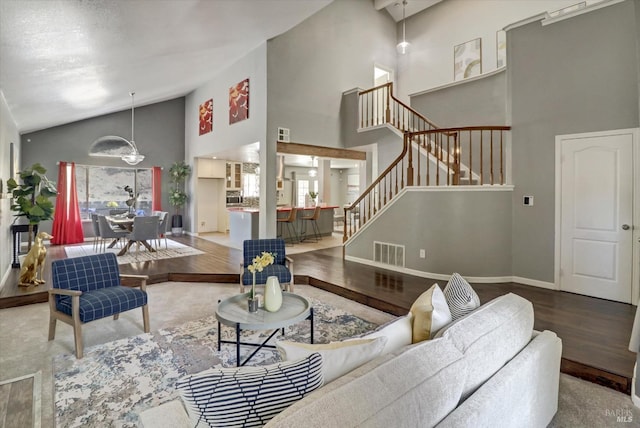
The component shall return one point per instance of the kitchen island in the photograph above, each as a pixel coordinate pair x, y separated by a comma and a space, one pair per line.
243, 223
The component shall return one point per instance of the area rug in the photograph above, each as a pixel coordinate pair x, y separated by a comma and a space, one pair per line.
174, 249
27, 392
116, 381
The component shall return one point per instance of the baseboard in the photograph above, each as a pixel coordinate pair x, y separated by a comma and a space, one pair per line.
446, 276
534, 283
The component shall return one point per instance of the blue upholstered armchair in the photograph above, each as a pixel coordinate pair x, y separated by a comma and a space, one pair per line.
282, 266
88, 288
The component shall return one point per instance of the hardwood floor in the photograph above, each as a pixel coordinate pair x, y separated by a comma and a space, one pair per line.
594, 332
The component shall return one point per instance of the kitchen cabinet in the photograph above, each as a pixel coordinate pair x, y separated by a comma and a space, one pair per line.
234, 175
210, 168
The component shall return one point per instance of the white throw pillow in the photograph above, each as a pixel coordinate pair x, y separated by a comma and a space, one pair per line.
338, 358
398, 332
248, 396
460, 296
430, 313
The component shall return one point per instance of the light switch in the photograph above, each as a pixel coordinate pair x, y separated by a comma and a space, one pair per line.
527, 201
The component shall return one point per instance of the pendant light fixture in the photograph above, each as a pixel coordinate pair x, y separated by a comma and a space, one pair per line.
403, 46
134, 157
313, 171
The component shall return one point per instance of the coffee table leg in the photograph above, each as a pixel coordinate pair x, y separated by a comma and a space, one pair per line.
237, 345
311, 319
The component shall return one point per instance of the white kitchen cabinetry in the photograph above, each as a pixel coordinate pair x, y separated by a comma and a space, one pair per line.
234, 175
210, 168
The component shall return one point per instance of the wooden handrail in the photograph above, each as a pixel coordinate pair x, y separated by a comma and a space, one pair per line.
351, 210
442, 150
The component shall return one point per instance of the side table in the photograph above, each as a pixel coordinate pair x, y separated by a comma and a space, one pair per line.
234, 313
16, 230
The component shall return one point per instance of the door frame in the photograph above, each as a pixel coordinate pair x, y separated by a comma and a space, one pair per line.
635, 192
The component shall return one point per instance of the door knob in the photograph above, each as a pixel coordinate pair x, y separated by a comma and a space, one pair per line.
625, 227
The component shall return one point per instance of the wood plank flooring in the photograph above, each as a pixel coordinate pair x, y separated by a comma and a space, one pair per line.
594, 332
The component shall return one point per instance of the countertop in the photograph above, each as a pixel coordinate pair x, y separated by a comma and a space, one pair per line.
279, 209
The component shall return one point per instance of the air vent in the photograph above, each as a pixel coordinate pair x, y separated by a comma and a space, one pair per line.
388, 254
283, 135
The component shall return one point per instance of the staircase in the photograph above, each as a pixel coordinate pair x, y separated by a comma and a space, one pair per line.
431, 156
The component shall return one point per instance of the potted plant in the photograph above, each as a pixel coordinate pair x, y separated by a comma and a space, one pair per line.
178, 173
31, 197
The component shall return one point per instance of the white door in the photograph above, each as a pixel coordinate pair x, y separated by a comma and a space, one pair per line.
596, 216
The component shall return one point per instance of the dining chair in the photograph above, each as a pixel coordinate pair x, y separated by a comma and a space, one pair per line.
162, 228
96, 232
145, 229
108, 232
282, 266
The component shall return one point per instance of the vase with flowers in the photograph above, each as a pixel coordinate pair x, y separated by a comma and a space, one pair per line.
257, 265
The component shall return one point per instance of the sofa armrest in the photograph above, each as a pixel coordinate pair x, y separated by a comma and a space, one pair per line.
523, 393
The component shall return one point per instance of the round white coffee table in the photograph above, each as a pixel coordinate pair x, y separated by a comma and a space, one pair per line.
234, 313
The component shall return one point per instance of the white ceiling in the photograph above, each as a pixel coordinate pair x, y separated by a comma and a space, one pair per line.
67, 60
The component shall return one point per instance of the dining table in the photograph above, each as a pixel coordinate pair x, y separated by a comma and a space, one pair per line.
126, 223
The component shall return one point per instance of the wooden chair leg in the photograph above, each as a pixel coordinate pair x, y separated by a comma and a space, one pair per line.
77, 325
52, 327
145, 318
77, 336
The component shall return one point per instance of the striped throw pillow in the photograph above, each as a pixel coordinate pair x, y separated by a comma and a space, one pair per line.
460, 296
248, 396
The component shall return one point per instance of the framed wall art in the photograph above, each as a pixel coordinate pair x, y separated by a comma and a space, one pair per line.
467, 59
206, 117
239, 102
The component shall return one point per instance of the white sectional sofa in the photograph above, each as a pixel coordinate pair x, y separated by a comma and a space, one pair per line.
487, 369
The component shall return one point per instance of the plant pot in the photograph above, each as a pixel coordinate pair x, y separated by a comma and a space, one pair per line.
176, 225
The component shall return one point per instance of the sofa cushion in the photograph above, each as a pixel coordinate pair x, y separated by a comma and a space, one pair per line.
248, 396
338, 358
491, 336
460, 296
430, 313
415, 386
399, 333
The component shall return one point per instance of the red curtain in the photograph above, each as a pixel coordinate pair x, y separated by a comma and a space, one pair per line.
156, 188
67, 224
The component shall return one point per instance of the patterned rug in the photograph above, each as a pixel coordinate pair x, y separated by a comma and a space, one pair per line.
116, 381
174, 249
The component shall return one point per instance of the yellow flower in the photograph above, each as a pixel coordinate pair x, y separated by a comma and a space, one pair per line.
261, 262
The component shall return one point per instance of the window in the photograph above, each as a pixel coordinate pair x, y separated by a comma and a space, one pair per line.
303, 191
101, 189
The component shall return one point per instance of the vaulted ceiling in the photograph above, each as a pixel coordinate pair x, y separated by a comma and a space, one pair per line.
67, 60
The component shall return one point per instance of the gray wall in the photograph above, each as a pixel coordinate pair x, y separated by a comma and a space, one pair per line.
8, 134
159, 135
478, 102
574, 76
310, 66
462, 231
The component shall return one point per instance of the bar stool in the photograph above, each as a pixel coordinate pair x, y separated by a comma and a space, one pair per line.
290, 221
313, 219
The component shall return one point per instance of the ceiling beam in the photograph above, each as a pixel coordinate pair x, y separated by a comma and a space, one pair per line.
319, 151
